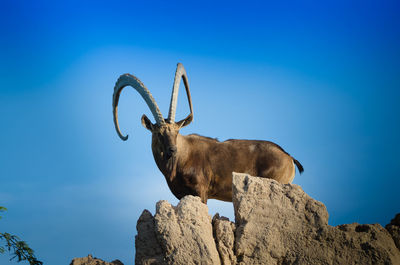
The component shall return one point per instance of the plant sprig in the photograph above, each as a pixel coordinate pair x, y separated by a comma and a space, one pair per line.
19, 249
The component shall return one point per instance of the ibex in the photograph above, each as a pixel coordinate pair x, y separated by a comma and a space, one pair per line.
198, 165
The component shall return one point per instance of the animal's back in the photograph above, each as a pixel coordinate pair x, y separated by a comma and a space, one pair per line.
256, 157
267, 159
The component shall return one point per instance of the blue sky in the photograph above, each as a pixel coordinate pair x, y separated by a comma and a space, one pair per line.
320, 79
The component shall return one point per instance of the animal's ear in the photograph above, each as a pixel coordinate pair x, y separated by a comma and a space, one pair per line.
147, 123
185, 121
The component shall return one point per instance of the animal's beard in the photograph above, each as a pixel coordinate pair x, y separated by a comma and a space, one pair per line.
171, 164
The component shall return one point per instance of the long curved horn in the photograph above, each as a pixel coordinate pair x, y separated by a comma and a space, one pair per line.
130, 80
179, 74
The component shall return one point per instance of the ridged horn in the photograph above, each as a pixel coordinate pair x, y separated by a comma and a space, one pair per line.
130, 80
180, 74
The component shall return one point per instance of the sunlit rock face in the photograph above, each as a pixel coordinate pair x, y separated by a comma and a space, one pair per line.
275, 224
183, 233
281, 224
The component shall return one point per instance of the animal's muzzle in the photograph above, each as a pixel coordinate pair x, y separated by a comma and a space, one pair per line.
171, 151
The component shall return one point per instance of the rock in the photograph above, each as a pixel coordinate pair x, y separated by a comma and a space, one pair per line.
185, 232
394, 229
176, 235
275, 224
89, 260
224, 234
148, 250
280, 224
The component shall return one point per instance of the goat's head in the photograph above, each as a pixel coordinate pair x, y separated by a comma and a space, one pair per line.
164, 131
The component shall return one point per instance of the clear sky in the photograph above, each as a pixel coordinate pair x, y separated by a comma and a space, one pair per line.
320, 79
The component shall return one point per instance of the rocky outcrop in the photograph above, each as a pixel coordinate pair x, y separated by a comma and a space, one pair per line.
183, 233
89, 260
224, 235
280, 224
394, 230
275, 224
148, 250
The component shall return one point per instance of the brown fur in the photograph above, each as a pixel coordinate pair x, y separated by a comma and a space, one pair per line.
203, 166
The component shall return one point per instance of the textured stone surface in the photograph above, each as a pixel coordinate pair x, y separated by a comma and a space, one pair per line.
224, 234
89, 260
148, 250
280, 224
394, 229
185, 232
176, 235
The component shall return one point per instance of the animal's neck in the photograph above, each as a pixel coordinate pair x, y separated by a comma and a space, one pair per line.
182, 147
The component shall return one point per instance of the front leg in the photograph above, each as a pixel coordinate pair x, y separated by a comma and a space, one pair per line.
201, 188
203, 196
201, 191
